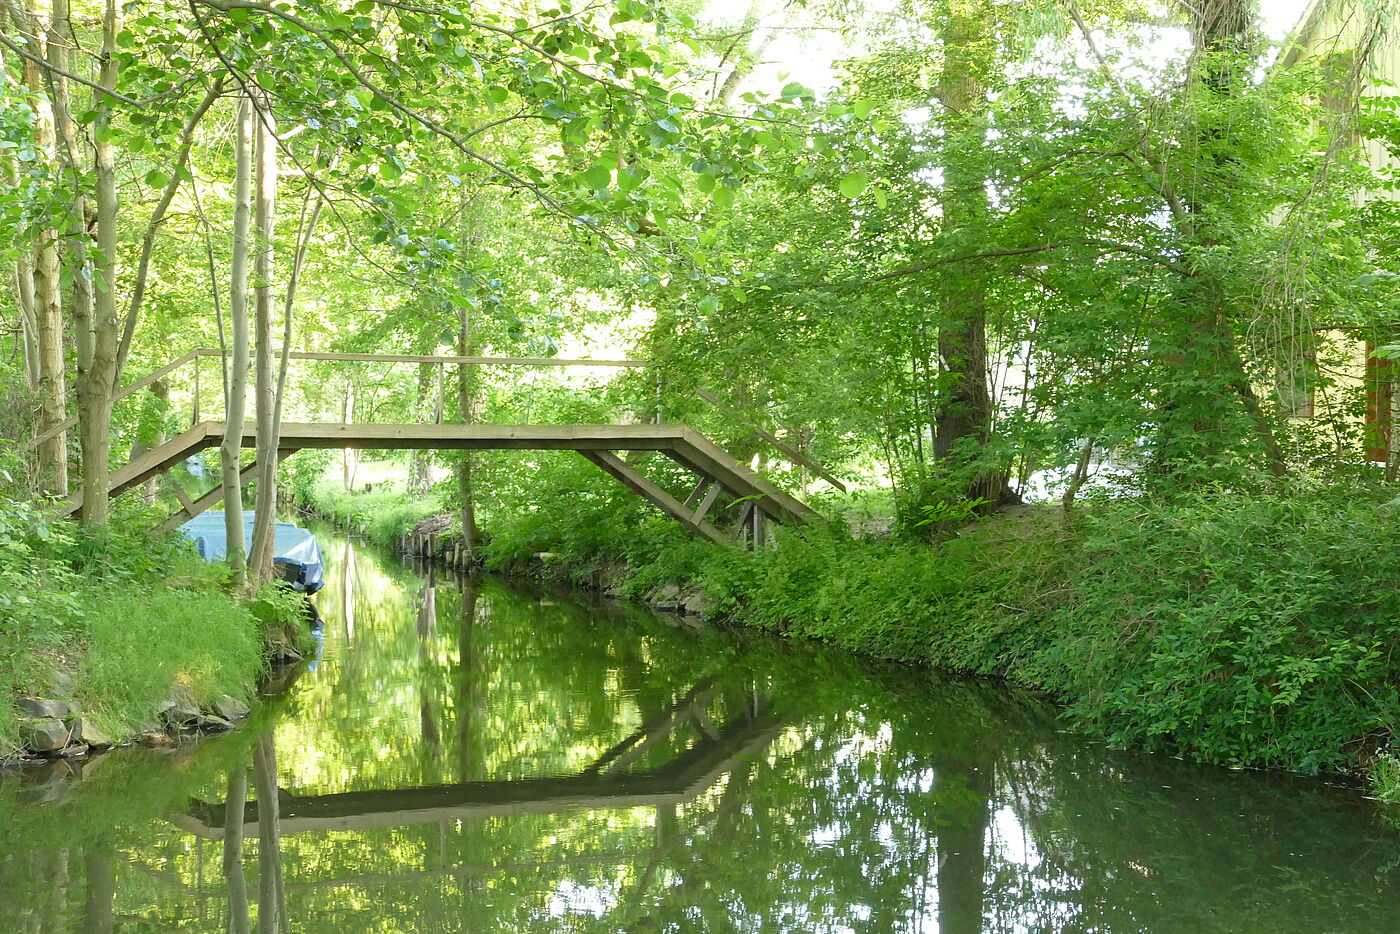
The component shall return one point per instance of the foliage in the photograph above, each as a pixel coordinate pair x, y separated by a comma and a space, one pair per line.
121, 614
1220, 626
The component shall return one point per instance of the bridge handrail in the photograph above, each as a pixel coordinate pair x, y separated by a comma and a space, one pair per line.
787, 450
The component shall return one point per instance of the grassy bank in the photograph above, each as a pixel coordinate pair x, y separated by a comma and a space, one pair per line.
383, 516
1224, 627
1221, 626
113, 620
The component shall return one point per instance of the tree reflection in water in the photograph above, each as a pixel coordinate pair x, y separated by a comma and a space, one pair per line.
472, 757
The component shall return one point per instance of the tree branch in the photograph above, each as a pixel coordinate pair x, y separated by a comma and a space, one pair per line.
42, 63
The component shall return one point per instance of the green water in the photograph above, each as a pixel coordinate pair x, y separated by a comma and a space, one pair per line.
469, 756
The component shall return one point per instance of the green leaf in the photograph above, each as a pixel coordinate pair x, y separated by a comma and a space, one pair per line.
853, 185
598, 175
723, 197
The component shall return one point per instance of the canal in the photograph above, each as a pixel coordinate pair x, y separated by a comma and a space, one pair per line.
473, 755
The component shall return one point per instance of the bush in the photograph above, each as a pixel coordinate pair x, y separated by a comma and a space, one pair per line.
1221, 626
127, 614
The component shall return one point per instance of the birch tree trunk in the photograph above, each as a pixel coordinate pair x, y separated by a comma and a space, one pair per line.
271, 895
148, 240
264, 259
96, 382
43, 272
237, 391
234, 806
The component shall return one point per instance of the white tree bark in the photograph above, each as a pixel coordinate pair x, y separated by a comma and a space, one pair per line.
236, 395
264, 270
97, 384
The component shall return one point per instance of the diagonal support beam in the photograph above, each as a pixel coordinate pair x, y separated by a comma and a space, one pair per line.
706, 503
214, 497
628, 476
696, 493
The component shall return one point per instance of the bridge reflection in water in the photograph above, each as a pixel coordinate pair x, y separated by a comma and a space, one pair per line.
467, 757
717, 751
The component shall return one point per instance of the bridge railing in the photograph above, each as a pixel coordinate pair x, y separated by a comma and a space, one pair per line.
204, 389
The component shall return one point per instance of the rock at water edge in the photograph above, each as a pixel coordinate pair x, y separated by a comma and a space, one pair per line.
231, 708
42, 709
179, 708
89, 734
46, 736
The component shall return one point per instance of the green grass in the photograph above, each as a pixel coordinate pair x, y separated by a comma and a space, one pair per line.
120, 614
383, 516
138, 643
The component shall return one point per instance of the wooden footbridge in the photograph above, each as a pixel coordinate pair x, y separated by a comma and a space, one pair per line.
714, 471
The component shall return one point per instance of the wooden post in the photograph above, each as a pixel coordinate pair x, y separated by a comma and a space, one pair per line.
194, 419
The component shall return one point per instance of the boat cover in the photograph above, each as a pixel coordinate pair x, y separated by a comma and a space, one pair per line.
293, 546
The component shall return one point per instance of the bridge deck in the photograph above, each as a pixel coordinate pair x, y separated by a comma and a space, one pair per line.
597, 443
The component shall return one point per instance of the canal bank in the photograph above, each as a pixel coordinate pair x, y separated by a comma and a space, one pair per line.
117, 636
476, 754
1224, 627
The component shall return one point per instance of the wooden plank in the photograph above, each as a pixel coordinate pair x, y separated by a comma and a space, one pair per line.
628, 477
455, 360
691, 773
214, 497
709, 458
473, 437
791, 452
739, 482
186, 504
140, 384
154, 461
706, 503
699, 491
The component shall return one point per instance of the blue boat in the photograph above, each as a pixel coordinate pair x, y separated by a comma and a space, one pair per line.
296, 554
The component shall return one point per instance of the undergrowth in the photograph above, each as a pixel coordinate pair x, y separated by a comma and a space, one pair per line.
383, 516
1225, 627
113, 618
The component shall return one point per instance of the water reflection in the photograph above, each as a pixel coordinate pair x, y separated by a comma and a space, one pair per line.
472, 757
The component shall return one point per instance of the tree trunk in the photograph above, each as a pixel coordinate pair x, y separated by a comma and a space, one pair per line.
264, 260
96, 384
271, 899
53, 388
964, 412
236, 396
466, 386
466, 407
1224, 35
148, 240
237, 883
419, 473
39, 277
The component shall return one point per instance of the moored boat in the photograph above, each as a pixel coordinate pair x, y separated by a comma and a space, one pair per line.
296, 554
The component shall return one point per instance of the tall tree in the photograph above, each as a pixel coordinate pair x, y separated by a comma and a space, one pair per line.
264, 271
97, 336
236, 387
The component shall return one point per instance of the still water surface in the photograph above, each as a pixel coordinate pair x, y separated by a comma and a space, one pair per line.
470, 756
